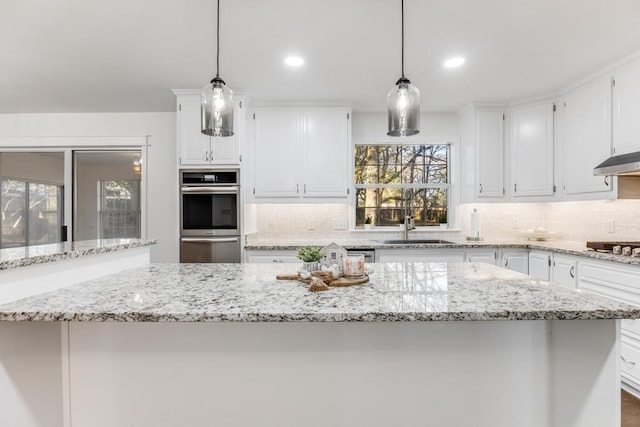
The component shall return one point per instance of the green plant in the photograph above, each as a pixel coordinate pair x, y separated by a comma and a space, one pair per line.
367, 220
310, 253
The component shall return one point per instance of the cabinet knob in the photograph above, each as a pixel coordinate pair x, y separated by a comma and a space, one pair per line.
572, 272
606, 180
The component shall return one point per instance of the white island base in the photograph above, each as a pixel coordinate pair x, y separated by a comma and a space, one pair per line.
560, 373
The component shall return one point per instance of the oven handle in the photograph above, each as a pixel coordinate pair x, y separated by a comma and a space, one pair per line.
209, 239
209, 189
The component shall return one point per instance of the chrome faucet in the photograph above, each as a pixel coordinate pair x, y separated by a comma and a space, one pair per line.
409, 223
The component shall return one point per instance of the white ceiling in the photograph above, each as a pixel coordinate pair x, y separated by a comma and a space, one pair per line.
126, 55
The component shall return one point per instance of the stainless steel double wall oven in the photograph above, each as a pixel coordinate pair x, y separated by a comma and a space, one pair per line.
210, 215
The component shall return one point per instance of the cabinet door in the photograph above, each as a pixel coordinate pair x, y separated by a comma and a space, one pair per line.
540, 265
626, 109
532, 150
586, 136
490, 149
224, 150
194, 145
276, 136
325, 148
564, 271
515, 261
418, 255
270, 257
481, 255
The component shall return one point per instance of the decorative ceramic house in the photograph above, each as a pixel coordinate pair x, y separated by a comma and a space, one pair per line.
333, 254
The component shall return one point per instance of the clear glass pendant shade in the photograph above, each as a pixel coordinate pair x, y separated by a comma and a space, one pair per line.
217, 109
403, 103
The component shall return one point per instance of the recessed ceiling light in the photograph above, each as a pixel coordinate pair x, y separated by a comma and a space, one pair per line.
293, 61
454, 62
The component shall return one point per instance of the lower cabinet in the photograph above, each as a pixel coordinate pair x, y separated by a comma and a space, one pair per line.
271, 256
540, 264
564, 271
560, 269
490, 256
419, 255
514, 259
622, 283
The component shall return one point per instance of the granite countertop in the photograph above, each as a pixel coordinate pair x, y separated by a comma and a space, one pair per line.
29, 255
557, 246
250, 293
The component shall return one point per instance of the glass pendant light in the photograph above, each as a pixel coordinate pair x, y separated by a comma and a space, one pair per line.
216, 103
403, 102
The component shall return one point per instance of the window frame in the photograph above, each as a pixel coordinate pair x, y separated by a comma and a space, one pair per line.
453, 198
27, 227
101, 211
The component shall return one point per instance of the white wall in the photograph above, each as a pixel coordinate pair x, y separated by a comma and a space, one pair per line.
432, 125
33, 167
162, 215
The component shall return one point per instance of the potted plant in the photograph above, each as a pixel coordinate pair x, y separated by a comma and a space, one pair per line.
367, 222
310, 255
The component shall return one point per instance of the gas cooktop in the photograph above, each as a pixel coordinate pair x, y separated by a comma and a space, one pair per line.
619, 248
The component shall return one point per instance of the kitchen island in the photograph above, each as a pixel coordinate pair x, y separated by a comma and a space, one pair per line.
220, 344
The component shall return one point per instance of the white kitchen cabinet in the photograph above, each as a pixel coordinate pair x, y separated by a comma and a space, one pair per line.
586, 137
325, 153
275, 153
419, 255
199, 149
482, 153
622, 283
301, 153
489, 256
271, 256
564, 271
626, 108
540, 264
532, 167
514, 259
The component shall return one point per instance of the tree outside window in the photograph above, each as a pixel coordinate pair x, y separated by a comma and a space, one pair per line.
383, 172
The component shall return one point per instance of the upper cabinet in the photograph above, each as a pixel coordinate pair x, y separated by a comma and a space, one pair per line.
197, 149
482, 153
301, 153
532, 150
626, 109
586, 137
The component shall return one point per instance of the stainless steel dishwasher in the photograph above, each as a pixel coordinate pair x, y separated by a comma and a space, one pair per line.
369, 254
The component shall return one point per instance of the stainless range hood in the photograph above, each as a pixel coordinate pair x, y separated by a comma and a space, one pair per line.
624, 164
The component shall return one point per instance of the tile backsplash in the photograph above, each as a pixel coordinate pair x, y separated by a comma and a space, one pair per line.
576, 221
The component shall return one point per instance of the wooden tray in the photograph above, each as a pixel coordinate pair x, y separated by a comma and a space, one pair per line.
327, 278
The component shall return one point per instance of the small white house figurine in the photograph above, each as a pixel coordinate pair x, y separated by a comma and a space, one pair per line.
333, 255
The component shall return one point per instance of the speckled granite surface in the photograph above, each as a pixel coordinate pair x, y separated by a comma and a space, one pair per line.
249, 293
29, 255
562, 247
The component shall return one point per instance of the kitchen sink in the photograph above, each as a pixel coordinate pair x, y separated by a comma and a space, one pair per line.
413, 241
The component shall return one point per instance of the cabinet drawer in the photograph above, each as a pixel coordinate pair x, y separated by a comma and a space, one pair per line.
630, 363
620, 283
270, 257
631, 328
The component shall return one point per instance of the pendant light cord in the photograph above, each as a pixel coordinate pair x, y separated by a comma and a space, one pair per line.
402, 7
218, 42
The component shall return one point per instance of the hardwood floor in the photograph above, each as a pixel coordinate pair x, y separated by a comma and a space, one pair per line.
630, 410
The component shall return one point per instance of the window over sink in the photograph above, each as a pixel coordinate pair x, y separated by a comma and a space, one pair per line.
384, 171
